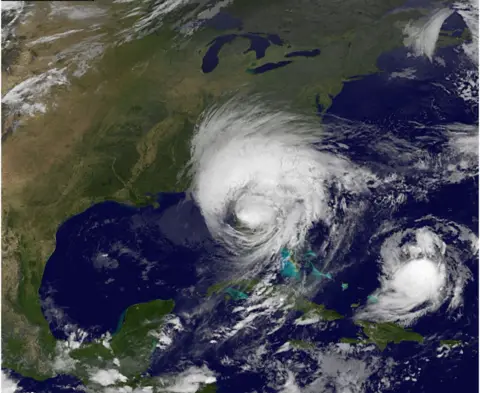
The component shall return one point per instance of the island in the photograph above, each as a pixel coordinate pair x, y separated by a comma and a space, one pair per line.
314, 310
383, 333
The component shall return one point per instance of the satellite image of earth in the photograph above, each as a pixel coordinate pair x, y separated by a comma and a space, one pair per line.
240, 196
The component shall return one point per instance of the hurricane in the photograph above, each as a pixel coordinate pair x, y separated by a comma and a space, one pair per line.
262, 182
422, 269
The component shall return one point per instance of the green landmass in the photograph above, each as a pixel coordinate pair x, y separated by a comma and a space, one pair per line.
140, 381
446, 38
450, 343
355, 305
383, 333
96, 353
302, 344
348, 340
132, 345
208, 388
122, 130
310, 309
235, 294
246, 286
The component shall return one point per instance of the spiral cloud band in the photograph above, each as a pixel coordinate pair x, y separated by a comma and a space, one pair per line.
260, 181
420, 273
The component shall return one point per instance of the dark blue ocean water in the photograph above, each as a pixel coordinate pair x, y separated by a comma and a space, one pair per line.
112, 256
426, 99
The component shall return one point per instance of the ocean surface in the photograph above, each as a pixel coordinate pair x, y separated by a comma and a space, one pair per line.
112, 256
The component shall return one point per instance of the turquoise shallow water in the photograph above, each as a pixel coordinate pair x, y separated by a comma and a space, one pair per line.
167, 252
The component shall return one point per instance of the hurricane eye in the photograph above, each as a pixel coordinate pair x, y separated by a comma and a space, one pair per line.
265, 178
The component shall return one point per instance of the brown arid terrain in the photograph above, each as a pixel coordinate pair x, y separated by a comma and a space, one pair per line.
95, 109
